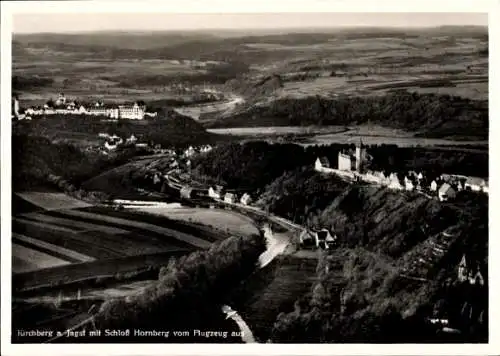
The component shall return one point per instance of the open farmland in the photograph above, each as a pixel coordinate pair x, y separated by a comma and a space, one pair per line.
26, 259
224, 220
370, 134
83, 243
52, 201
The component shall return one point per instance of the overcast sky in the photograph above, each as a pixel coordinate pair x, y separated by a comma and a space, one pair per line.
81, 22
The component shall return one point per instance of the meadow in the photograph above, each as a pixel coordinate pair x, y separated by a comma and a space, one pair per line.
120, 67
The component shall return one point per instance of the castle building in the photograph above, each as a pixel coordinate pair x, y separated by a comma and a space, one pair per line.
134, 112
350, 162
360, 156
345, 162
61, 100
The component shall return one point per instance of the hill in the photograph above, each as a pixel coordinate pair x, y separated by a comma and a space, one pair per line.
428, 115
169, 129
38, 157
388, 275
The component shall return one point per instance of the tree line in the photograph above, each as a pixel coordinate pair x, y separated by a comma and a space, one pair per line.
189, 290
431, 115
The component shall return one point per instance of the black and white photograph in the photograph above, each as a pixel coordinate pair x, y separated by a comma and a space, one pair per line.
233, 178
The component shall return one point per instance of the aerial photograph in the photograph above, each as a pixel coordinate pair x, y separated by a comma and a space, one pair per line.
250, 178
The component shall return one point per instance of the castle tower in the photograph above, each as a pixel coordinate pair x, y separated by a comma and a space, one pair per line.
360, 156
61, 99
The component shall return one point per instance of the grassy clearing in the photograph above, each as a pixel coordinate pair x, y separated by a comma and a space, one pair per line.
72, 255
165, 232
51, 201
67, 239
94, 273
34, 257
207, 232
218, 219
75, 224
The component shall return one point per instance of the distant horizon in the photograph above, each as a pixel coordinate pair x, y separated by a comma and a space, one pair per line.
269, 29
71, 23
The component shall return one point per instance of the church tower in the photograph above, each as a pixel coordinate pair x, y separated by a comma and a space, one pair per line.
360, 156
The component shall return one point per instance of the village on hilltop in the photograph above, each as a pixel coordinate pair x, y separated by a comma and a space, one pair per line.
352, 166
63, 106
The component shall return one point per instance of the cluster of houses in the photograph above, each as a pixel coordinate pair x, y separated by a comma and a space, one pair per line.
469, 271
112, 142
217, 193
351, 165
135, 111
322, 239
191, 151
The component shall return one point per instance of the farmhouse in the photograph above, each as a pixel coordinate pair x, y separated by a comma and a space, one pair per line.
394, 182
132, 139
475, 184
186, 192
446, 192
245, 199
307, 238
409, 185
190, 151
324, 239
213, 193
230, 198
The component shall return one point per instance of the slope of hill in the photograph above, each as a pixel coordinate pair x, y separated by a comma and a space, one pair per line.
428, 114
398, 268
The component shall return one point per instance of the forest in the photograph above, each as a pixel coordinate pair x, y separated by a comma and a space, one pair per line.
37, 158
26, 83
189, 291
429, 115
362, 293
168, 129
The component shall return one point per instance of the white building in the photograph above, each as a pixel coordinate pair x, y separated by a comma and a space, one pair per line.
394, 182
189, 152
344, 162
246, 199
433, 186
132, 139
324, 239
230, 198
409, 184
214, 194
134, 112
475, 184
446, 192
110, 146
322, 164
